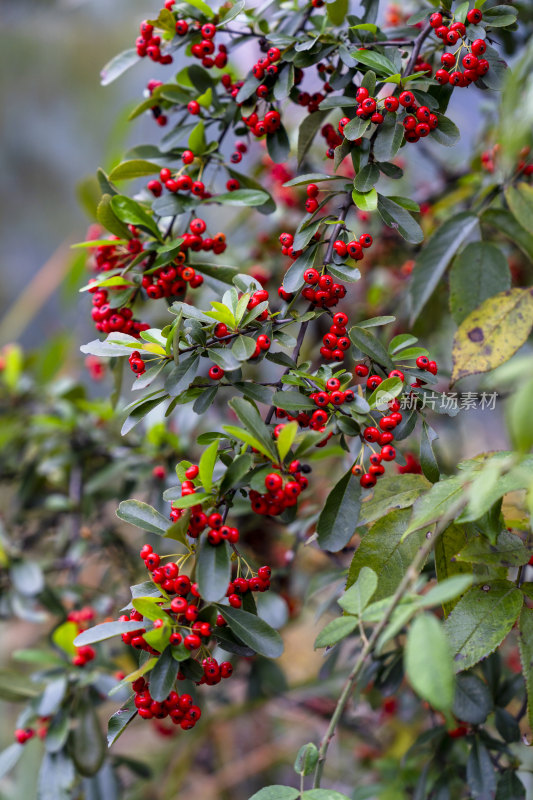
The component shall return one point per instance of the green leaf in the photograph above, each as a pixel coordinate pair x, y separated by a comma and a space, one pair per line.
434, 258
243, 347
206, 465
392, 492
236, 471
443, 499
357, 597
366, 201
397, 217
519, 419
480, 773
338, 519
119, 722
119, 64
133, 213
389, 138
181, 375
294, 277
252, 420
473, 701
508, 551
447, 132
323, 794
292, 401
139, 412
105, 630
163, 675
241, 197
285, 439
213, 570
520, 200
448, 545
307, 759
243, 436
64, 635
510, 787
384, 550
507, 224
491, 334
203, 7
276, 793
190, 500
428, 662
335, 631
52, 697
143, 516
278, 145
355, 128
366, 178
480, 271
428, 462
481, 620
307, 131
379, 63
15, 687
370, 345
56, 777
109, 220
87, 744
337, 11
10, 756
525, 643
253, 631
135, 168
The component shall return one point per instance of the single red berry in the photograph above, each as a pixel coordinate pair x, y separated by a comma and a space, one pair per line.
216, 373
474, 16
478, 47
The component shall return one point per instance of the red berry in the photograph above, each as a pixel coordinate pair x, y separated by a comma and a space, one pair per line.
474, 16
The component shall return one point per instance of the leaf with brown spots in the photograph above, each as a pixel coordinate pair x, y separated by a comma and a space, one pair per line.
491, 334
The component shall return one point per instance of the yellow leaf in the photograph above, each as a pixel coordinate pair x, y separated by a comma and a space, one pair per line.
492, 333
154, 348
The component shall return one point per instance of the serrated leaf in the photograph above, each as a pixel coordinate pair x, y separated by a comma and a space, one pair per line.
335, 631
384, 550
357, 597
481, 620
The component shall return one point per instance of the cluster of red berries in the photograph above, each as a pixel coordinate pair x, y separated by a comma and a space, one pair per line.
333, 139
422, 66
322, 290
261, 126
312, 101
279, 494
204, 48
241, 586
333, 395
180, 708
108, 319
474, 66
171, 280
23, 735
418, 122
336, 341
490, 157
199, 520
353, 249
179, 182
149, 45
316, 421
382, 434
236, 157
